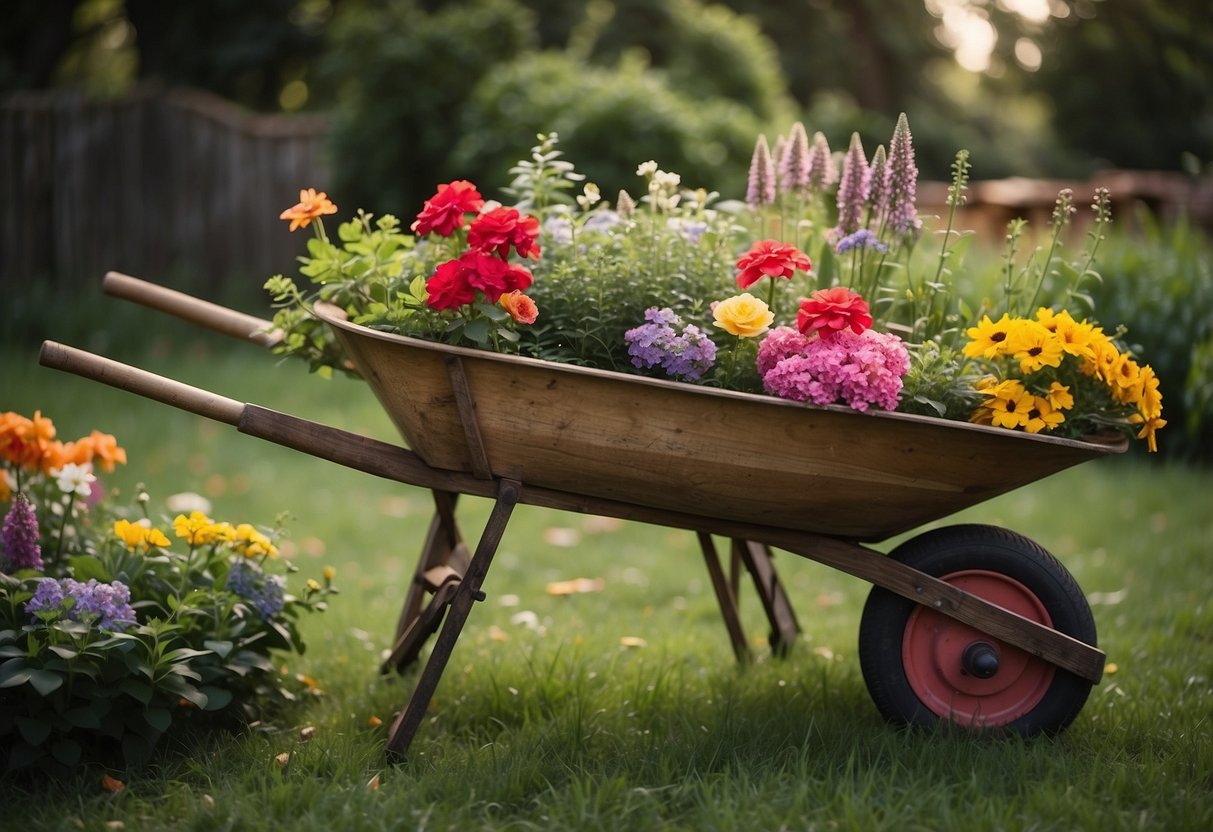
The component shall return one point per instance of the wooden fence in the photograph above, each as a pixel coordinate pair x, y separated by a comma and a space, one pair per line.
160, 184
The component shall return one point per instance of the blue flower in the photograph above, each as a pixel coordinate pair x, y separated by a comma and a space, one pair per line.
108, 606
263, 592
863, 238
685, 355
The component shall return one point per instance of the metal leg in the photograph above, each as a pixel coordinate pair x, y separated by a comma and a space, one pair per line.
406, 724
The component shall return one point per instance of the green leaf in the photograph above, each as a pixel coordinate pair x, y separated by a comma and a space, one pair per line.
137, 689
158, 718
185, 690
33, 731
477, 330
13, 672
85, 717
10, 650
216, 698
219, 648
182, 653
87, 566
64, 652
45, 682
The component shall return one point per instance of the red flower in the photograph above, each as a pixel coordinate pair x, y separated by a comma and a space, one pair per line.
443, 212
500, 228
832, 310
770, 258
456, 282
521, 307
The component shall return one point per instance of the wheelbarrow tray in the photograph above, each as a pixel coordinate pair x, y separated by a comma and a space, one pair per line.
690, 448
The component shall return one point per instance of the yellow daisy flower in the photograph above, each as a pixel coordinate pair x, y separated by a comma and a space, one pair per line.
1034, 347
989, 338
1059, 396
1043, 416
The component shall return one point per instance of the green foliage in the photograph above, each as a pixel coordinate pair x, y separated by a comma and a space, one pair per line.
403, 75
608, 119
182, 635
1157, 278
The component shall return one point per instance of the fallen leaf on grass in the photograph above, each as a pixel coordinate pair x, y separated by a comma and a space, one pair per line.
576, 586
282, 759
561, 536
825, 652
374, 721
115, 824
498, 634
1110, 669
373, 783
112, 785
632, 641
307, 733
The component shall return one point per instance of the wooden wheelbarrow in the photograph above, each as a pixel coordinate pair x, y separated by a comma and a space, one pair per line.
970, 624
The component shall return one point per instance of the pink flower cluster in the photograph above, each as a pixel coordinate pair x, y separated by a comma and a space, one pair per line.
861, 370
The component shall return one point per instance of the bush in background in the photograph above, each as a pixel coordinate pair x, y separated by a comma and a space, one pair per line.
462, 90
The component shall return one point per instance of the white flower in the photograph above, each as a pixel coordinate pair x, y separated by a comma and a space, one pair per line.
647, 168
75, 479
589, 197
186, 502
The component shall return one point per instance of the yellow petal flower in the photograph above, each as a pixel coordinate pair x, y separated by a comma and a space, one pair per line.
743, 315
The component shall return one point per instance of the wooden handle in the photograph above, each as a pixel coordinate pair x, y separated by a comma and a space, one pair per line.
192, 309
124, 377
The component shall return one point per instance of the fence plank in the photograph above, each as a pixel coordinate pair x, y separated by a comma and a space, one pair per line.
170, 184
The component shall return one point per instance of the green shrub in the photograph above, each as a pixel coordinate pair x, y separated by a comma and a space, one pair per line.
404, 78
608, 119
1158, 281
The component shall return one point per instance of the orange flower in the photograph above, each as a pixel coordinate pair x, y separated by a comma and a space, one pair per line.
24, 442
521, 308
311, 206
105, 450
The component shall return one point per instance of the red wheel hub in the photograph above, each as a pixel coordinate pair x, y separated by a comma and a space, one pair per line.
938, 653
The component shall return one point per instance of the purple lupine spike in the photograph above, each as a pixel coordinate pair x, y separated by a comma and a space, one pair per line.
822, 173
20, 536
878, 185
778, 153
853, 189
794, 164
761, 187
903, 180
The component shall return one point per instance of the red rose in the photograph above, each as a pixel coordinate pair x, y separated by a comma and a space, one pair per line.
456, 282
444, 211
448, 287
832, 310
770, 258
500, 228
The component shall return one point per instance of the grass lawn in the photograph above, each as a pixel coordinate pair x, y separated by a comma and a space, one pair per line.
546, 720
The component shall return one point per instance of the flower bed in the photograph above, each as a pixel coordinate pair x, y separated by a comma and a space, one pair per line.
821, 287
116, 630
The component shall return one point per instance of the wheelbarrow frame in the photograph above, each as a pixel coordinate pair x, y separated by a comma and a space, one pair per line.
454, 576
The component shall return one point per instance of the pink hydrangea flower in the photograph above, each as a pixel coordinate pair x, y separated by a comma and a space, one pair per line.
860, 370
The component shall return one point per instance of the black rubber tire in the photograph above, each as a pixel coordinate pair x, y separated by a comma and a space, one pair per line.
954, 549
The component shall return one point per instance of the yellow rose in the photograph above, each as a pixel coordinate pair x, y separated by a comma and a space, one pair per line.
743, 315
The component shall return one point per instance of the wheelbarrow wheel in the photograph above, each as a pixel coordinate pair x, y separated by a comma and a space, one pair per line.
923, 668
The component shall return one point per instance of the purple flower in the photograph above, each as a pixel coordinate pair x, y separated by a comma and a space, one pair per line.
861, 371
108, 606
760, 189
861, 239
853, 190
878, 184
263, 592
903, 180
821, 164
684, 355
19, 535
794, 162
